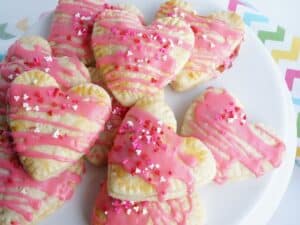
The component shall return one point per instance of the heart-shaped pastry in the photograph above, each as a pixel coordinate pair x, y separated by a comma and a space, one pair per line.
182, 211
26, 201
51, 128
241, 149
135, 60
149, 161
34, 52
98, 154
71, 29
217, 42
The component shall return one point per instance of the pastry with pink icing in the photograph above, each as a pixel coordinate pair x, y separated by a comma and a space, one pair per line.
217, 42
34, 52
52, 128
25, 201
137, 60
241, 149
182, 211
72, 25
149, 161
98, 153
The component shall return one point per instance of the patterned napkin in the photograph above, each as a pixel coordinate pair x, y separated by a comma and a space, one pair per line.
283, 46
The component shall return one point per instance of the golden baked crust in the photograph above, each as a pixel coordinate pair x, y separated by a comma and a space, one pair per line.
217, 41
133, 69
127, 186
61, 125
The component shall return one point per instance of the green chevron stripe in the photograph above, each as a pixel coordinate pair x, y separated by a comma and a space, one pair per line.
272, 36
3, 34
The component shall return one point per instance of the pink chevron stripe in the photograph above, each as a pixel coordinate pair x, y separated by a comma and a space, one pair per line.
233, 4
290, 76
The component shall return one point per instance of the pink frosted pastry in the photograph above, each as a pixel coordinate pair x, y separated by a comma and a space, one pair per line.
217, 42
34, 52
24, 201
240, 148
149, 161
137, 61
98, 154
182, 211
52, 128
72, 26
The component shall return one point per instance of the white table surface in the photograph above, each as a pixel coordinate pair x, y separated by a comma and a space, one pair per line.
284, 12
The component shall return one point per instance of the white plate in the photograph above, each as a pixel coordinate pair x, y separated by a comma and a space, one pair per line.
257, 82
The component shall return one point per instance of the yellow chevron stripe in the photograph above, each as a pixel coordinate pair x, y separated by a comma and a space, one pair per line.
291, 55
298, 152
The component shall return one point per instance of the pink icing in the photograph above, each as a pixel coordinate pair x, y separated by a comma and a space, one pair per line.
76, 30
151, 150
106, 138
155, 60
208, 48
53, 101
220, 123
14, 182
139, 213
20, 60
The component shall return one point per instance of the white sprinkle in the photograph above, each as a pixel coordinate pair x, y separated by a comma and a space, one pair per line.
212, 45
47, 70
157, 166
137, 171
36, 108
163, 179
17, 98
25, 96
204, 36
158, 130
79, 33
182, 14
105, 212
129, 53
160, 122
139, 34
152, 166
128, 211
165, 58
145, 211
138, 151
24, 191
11, 76
56, 134
37, 130
77, 15
26, 106
159, 26
74, 107
164, 40
109, 126
136, 208
48, 58
231, 120
68, 97
86, 18
130, 123
148, 138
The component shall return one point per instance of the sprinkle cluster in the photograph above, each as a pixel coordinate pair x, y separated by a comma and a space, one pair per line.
233, 114
129, 207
